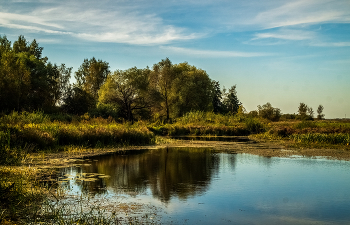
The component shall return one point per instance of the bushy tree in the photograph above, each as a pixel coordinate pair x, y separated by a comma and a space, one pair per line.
217, 97
305, 112
91, 75
191, 90
130, 91
78, 101
162, 78
27, 81
230, 100
302, 109
268, 112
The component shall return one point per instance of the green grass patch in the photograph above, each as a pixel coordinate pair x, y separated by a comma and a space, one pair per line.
336, 139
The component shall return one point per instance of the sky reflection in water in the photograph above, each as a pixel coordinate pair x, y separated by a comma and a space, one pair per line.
199, 185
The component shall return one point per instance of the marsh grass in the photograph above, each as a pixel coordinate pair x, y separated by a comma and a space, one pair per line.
32, 196
20, 198
36, 130
336, 139
208, 123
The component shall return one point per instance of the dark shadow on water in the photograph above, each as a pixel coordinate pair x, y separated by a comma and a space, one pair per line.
213, 138
167, 173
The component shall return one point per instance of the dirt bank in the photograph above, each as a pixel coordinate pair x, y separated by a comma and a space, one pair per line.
256, 147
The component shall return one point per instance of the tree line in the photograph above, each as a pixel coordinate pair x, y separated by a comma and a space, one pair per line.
28, 82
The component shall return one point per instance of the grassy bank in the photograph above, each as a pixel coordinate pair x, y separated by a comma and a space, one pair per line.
22, 133
209, 124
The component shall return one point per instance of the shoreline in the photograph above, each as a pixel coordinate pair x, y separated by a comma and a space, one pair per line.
266, 148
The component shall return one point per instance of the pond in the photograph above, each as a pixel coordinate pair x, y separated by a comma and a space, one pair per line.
203, 186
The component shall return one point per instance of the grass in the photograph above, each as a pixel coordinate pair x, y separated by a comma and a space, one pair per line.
24, 199
209, 124
36, 129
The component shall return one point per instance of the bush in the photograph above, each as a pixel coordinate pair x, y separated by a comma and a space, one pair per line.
268, 112
254, 126
105, 111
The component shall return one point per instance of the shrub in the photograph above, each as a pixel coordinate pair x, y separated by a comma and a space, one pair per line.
268, 112
254, 126
105, 111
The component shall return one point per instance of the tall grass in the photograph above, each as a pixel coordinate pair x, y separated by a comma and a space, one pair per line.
24, 200
35, 131
339, 138
209, 123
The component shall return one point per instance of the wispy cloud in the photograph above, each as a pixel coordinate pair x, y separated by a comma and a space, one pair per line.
214, 54
123, 24
304, 12
287, 34
332, 44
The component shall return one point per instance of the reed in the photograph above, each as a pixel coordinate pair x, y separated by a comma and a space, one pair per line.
337, 138
208, 123
20, 130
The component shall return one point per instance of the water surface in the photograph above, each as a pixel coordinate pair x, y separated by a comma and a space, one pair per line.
203, 186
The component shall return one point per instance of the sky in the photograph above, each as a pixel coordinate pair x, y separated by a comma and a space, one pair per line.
280, 51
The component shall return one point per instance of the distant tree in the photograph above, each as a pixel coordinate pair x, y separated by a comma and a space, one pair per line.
305, 112
310, 111
91, 75
319, 112
217, 97
268, 112
302, 109
230, 100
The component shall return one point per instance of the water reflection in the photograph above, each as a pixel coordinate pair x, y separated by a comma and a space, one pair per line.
200, 186
170, 172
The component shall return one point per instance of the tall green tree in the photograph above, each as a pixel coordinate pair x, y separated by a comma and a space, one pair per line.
130, 91
217, 97
15, 81
27, 80
61, 85
91, 75
162, 78
230, 100
192, 90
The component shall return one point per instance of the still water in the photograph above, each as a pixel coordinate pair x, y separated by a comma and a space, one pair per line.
202, 186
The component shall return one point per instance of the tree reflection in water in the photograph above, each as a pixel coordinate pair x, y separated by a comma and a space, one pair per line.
167, 173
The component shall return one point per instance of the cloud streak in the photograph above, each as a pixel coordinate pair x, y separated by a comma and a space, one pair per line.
215, 54
119, 25
304, 12
287, 34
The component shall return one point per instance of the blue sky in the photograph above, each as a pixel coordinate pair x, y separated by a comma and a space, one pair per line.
278, 51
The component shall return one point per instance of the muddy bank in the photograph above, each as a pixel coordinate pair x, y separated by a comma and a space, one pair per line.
250, 146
